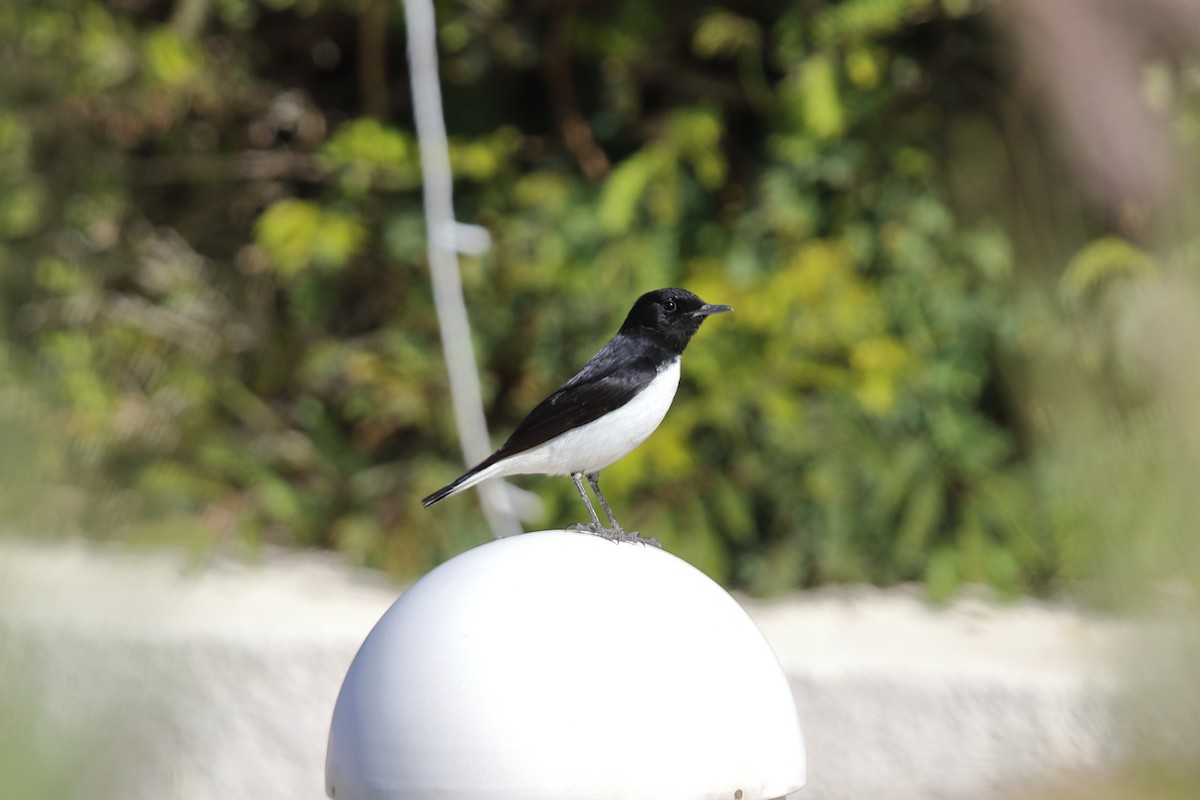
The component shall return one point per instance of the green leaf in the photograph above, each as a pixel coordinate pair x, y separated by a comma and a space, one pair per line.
851, 20
1004, 571
623, 190
16, 140
1103, 260
921, 518
297, 234
941, 575
170, 60
820, 98
721, 34
21, 208
366, 153
482, 159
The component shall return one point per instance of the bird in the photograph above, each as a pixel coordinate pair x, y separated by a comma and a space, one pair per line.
609, 407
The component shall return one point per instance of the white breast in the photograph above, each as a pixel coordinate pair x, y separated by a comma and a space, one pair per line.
592, 447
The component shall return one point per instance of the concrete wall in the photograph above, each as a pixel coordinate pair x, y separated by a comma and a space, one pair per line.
134, 676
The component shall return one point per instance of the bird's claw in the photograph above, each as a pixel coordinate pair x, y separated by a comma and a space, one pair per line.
616, 534
635, 538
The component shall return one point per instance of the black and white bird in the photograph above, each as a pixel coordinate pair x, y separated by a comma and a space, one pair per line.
606, 409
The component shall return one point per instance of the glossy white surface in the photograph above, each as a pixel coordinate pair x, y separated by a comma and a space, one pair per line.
561, 665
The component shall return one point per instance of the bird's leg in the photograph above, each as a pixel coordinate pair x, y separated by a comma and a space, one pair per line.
619, 533
594, 480
594, 526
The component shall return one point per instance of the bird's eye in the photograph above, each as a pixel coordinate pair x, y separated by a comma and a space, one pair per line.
668, 306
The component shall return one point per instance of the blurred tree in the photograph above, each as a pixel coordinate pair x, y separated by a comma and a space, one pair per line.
211, 251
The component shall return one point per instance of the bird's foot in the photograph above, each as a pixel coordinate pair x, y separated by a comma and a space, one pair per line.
615, 534
633, 536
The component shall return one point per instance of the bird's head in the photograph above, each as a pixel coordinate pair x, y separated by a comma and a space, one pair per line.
673, 314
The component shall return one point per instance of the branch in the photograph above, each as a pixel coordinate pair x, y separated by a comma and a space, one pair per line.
574, 128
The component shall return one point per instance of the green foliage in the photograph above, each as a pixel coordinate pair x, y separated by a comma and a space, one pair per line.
214, 261
723, 33
367, 154
652, 175
1102, 260
857, 19
816, 94
297, 234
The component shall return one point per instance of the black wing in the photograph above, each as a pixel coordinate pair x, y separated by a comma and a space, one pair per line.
608, 381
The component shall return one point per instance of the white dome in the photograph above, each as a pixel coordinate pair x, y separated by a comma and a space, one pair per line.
559, 665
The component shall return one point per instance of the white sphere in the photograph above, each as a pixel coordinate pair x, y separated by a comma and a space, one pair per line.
558, 665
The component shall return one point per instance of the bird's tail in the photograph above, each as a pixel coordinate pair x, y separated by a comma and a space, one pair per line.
445, 491
478, 473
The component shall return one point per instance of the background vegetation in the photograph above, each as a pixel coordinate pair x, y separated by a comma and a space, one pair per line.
959, 235
217, 324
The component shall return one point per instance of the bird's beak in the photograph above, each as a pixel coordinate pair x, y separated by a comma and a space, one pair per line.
709, 308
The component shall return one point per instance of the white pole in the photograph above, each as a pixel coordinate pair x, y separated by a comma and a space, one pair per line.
443, 234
